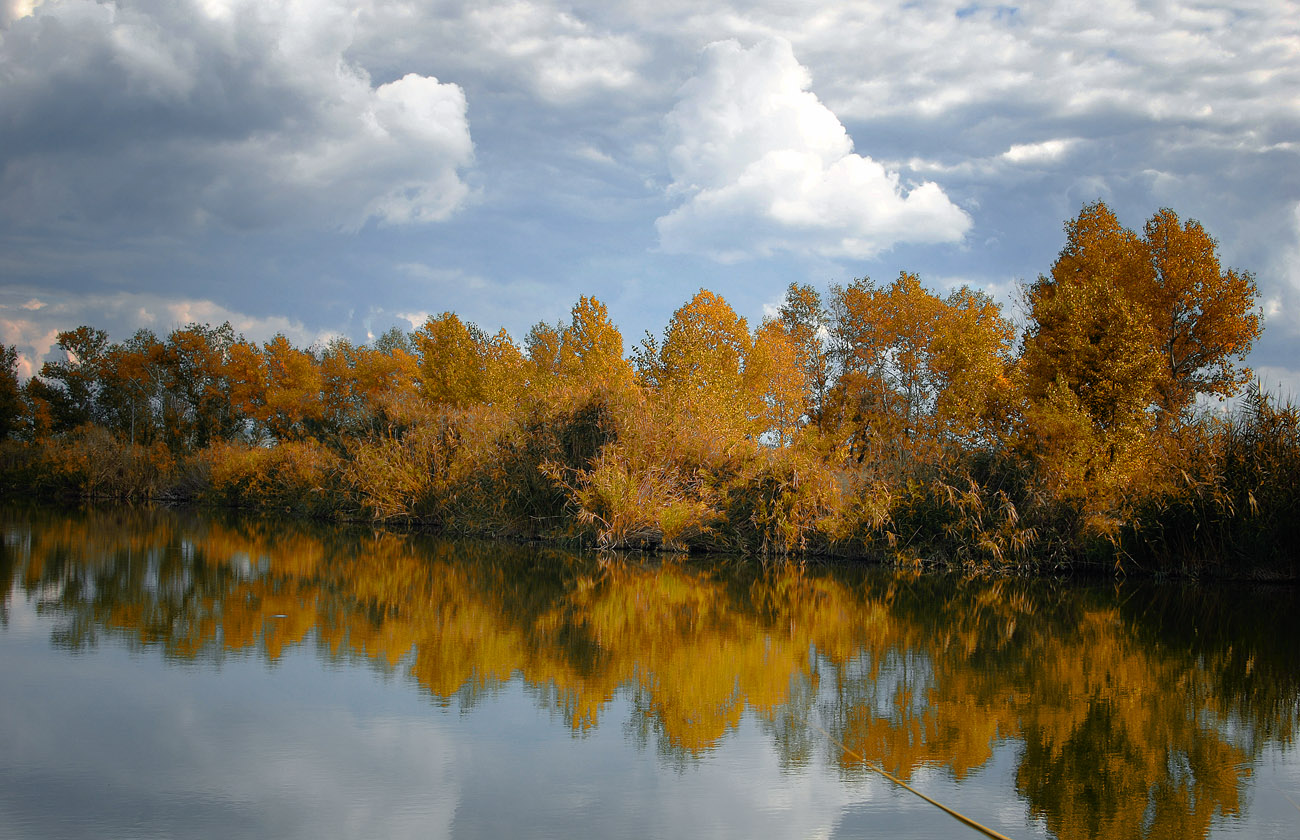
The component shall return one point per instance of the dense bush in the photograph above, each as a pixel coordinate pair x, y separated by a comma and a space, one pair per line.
1232, 500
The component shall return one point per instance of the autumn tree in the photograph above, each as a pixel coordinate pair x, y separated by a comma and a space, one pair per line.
917, 370
1090, 331
197, 405
591, 348
1204, 316
542, 349
366, 390
451, 370
38, 399
245, 371
698, 370
806, 323
293, 385
132, 380
11, 404
775, 382
971, 356
1124, 332
460, 365
1128, 322
77, 378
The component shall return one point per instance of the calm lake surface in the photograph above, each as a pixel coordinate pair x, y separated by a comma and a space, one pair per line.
169, 674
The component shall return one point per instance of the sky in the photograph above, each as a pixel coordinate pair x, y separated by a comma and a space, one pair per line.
325, 168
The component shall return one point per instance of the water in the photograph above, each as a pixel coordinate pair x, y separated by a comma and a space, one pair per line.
178, 675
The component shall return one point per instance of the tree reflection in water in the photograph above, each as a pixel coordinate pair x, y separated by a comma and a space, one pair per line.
1139, 708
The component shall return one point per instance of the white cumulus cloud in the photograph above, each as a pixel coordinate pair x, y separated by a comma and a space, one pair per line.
764, 166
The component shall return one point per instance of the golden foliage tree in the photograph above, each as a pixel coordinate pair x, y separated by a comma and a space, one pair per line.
700, 367
450, 364
460, 365
1204, 316
132, 379
918, 370
1125, 331
591, 348
293, 386
775, 382
1129, 322
197, 407
366, 389
567, 362
806, 322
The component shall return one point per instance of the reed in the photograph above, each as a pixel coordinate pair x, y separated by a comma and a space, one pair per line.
1231, 504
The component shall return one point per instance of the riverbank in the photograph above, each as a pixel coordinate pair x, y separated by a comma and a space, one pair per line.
1218, 498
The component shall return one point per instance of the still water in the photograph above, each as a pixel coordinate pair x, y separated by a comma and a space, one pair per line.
170, 674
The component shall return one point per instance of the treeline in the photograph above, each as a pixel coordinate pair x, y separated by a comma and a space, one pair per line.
876, 420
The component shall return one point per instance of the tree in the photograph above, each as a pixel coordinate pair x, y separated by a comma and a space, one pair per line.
1124, 332
591, 348
542, 348
1090, 332
775, 382
79, 377
11, 403
970, 360
451, 369
1129, 323
366, 390
806, 322
197, 405
293, 385
700, 367
394, 340
132, 379
1204, 317
503, 370
460, 365
919, 371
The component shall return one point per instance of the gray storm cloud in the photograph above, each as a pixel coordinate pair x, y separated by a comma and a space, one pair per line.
242, 114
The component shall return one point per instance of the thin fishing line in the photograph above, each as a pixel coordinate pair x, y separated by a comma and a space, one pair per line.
960, 817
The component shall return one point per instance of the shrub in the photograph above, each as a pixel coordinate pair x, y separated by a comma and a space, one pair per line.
294, 477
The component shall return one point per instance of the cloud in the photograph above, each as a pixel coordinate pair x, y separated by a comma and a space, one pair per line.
1037, 154
12, 10
34, 330
559, 56
247, 114
764, 166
